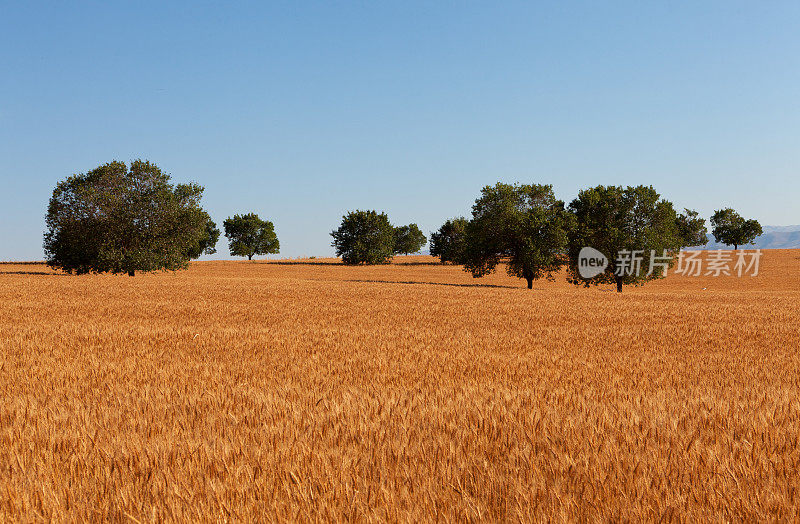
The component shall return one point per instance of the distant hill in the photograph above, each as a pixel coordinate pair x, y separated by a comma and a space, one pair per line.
781, 229
774, 237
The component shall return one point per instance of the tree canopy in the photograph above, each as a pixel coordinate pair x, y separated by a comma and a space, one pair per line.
729, 227
692, 229
364, 237
633, 227
408, 239
523, 224
117, 219
248, 235
449, 242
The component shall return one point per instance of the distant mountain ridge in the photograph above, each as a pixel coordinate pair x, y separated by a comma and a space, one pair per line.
774, 237
781, 229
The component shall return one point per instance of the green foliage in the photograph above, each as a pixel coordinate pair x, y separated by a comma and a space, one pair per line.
614, 219
207, 244
449, 243
120, 220
364, 237
248, 235
408, 239
524, 224
730, 228
692, 229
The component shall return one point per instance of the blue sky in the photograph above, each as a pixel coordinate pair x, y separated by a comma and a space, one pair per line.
300, 111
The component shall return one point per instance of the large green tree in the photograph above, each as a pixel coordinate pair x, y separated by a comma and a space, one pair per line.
408, 239
118, 219
632, 227
449, 242
729, 227
248, 235
364, 237
692, 229
524, 225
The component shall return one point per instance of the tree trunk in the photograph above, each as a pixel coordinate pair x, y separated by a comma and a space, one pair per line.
735, 247
619, 284
131, 273
249, 257
530, 282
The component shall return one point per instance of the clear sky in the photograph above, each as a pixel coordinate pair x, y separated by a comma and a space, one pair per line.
300, 111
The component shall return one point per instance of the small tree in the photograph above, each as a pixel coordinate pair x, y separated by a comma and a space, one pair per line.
117, 219
628, 226
248, 235
691, 229
449, 243
364, 237
523, 224
408, 239
730, 228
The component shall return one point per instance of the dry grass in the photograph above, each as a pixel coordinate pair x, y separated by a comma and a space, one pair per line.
253, 391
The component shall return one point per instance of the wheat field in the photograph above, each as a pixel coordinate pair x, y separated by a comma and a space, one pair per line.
409, 392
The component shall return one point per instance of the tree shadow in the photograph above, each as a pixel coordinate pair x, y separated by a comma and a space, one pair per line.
416, 264
298, 263
39, 273
339, 263
497, 286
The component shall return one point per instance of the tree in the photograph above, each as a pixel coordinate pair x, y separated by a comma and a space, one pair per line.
208, 242
364, 237
691, 229
408, 239
730, 228
119, 220
523, 224
629, 226
248, 235
449, 243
